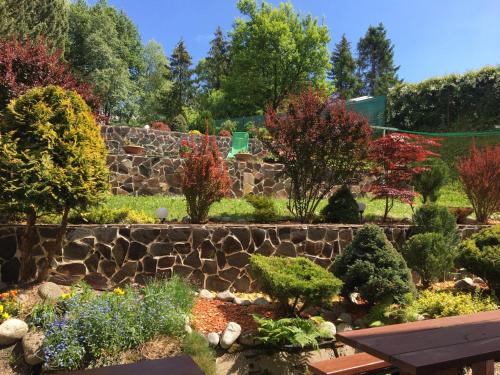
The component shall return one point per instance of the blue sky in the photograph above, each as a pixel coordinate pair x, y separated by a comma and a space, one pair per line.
431, 37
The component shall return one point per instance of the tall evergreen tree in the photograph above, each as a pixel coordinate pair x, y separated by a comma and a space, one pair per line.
343, 73
31, 19
376, 61
182, 91
217, 61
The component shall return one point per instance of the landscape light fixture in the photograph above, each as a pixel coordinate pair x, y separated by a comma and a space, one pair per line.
162, 214
361, 209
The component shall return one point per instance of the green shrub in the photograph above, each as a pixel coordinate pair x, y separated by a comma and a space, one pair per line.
430, 254
106, 215
429, 182
204, 122
179, 124
196, 346
341, 208
86, 327
291, 331
297, 279
371, 266
265, 210
431, 218
481, 255
229, 125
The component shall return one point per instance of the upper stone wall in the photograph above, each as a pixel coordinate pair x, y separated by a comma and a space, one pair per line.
161, 143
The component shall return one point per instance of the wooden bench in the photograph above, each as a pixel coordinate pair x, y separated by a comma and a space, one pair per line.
361, 363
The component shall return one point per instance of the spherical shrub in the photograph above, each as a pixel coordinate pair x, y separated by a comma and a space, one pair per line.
431, 218
481, 255
371, 266
341, 208
430, 254
264, 208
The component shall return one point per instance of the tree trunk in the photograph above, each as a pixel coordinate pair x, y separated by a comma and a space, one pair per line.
26, 246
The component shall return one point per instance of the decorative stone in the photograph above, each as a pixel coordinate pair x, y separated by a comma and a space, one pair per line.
355, 298
76, 250
193, 260
128, 270
12, 330
242, 302
345, 318
214, 282
226, 296
159, 249
465, 285
205, 294
260, 301
188, 329
231, 245
238, 260
287, 249
230, 335
33, 348
179, 234
96, 281
50, 291
229, 273
120, 250
213, 338
343, 327
105, 235
243, 235
136, 250
207, 249
72, 269
258, 236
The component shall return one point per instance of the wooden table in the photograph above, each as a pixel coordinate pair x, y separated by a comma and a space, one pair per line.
439, 346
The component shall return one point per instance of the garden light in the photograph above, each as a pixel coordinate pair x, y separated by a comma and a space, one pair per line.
162, 214
361, 209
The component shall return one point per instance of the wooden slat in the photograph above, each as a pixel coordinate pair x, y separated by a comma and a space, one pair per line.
181, 365
348, 365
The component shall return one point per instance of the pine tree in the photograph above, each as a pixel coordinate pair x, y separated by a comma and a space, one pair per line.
31, 19
182, 91
376, 61
217, 61
343, 73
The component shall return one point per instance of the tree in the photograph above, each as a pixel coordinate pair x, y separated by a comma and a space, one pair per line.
213, 69
155, 83
54, 160
29, 20
182, 91
24, 65
343, 72
376, 62
429, 182
275, 52
394, 156
480, 176
320, 143
105, 47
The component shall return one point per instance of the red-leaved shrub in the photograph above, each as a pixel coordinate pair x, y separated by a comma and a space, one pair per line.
224, 133
28, 64
480, 175
160, 125
320, 143
394, 156
205, 178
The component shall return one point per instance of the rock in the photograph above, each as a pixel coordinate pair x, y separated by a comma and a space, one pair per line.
12, 330
328, 327
248, 339
188, 329
213, 338
206, 294
343, 327
230, 335
50, 291
261, 301
345, 318
355, 298
226, 296
478, 280
359, 323
33, 348
242, 302
465, 285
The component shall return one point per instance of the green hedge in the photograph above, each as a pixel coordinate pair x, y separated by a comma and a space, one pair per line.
455, 102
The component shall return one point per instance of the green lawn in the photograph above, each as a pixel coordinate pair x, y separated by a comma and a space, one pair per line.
452, 195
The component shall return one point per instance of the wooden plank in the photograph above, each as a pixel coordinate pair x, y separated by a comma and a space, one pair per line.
348, 365
181, 365
483, 368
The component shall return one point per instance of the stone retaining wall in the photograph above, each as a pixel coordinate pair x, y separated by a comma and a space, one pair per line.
213, 256
150, 175
161, 143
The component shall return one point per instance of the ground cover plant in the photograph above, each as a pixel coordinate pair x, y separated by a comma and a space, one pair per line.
84, 328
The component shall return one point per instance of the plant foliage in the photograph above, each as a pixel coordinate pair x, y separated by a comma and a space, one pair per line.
431, 218
431, 180
265, 210
342, 208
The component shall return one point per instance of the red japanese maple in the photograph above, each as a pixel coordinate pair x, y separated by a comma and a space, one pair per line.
28, 64
160, 125
205, 178
394, 156
320, 143
480, 175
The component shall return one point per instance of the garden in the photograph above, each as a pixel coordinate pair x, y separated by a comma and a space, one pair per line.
246, 251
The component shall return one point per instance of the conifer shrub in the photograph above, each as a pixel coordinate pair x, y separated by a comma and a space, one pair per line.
294, 280
371, 266
480, 255
431, 218
264, 208
229, 125
341, 208
431, 180
180, 124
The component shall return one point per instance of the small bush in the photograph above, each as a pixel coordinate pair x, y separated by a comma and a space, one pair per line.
179, 124
159, 125
480, 175
291, 331
371, 266
265, 210
230, 126
341, 208
430, 181
430, 254
481, 255
106, 215
224, 133
196, 346
297, 279
431, 218
205, 178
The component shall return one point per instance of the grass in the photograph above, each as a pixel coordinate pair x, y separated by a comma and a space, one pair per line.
451, 195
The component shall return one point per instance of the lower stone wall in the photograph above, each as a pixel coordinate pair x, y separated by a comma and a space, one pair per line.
149, 175
213, 256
